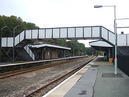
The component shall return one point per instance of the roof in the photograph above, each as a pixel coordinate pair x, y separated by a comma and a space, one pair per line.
49, 45
100, 43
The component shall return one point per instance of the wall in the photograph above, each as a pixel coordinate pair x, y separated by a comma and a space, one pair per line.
50, 53
123, 59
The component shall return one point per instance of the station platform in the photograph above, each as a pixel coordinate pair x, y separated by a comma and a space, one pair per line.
8, 67
96, 79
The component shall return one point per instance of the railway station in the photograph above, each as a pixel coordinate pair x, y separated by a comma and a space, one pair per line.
52, 62
89, 81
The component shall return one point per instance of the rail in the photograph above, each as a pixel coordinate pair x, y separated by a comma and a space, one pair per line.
14, 69
55, 82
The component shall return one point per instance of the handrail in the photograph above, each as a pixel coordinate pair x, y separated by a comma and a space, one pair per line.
85, 32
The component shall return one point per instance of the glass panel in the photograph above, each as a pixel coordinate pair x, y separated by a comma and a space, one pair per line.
121, 40
63, 33
79, 32
41, 33
4, 42
34, 34
28, 34
95, 31
105, 33
55, 33
48, 33
21, 36
112, 37
71, 32
127, 39
87, 32
10, 42
16, 39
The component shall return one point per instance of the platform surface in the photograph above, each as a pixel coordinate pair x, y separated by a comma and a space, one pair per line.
98, 81
110, 85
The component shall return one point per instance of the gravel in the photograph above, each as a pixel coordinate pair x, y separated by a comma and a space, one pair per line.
19, 85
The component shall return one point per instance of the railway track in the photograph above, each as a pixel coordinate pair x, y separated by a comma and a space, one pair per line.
31, 69
44, 89
37, 81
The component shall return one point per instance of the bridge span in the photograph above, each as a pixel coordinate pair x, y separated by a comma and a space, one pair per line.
105, 40
81, 32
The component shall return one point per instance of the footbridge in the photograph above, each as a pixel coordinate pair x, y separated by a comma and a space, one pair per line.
82, 32
58, 33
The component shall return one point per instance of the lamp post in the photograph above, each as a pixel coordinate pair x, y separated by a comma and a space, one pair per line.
14, 41
1, 30
115, 31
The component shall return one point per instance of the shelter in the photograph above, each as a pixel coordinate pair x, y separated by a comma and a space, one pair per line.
21, 41
103, 46
48, 51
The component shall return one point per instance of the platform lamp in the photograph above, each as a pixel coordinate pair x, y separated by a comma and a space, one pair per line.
1, 30
14, 29
115, 31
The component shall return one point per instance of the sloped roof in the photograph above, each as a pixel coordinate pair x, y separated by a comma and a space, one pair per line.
100, 43
49, 45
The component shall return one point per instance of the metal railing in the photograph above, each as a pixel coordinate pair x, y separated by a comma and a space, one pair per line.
28, 50
83, 32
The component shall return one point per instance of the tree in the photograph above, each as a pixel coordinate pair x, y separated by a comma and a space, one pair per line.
12, 22
90, 51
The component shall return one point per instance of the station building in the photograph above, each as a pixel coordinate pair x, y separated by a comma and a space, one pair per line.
48, 51
106, 41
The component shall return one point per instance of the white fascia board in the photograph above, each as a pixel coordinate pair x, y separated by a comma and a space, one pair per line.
100, 43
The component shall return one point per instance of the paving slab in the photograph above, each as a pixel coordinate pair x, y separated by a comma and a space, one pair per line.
110, 85
66, 85
100, 81
84, 87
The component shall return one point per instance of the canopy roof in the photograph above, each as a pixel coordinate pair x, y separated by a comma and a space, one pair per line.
100, 43
49, 45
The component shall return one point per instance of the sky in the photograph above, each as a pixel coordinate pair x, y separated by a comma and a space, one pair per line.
60, 13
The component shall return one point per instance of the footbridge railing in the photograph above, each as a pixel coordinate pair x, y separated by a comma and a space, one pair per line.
85, 32
82, 32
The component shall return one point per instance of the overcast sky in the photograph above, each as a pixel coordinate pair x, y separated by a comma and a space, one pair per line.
59, 13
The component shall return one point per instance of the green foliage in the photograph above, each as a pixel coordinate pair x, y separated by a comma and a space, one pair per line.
76, 47
12, 22
90, 51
